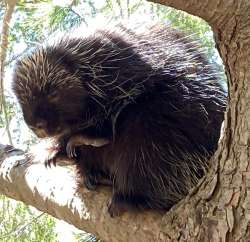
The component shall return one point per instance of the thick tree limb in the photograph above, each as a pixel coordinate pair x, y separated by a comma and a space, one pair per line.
215, 12
220, 209
53, 190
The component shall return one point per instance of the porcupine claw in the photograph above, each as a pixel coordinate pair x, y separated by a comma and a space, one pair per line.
90, 182
52, 161
71, 149
47, 163
117, 206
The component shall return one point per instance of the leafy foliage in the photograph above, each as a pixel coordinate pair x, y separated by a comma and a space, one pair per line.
10, 112
83, 237
23, 224
63, 18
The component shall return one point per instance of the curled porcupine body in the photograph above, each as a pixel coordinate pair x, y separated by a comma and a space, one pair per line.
140, 109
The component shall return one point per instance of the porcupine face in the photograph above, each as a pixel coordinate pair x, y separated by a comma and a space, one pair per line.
50, 95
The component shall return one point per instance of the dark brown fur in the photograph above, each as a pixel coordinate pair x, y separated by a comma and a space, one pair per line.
152, 96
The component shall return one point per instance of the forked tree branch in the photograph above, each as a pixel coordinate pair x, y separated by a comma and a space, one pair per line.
220, 209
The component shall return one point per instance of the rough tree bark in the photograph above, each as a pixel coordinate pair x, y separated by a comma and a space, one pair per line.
218, 209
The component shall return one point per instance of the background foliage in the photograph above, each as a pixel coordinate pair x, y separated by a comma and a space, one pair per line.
32, 23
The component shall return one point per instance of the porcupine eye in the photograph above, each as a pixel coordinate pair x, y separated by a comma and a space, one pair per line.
53, 97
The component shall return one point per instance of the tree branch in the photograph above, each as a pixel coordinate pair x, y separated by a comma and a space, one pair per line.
216, 14
53, 190
10, 5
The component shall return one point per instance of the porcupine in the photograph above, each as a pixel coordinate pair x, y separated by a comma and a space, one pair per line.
148, 96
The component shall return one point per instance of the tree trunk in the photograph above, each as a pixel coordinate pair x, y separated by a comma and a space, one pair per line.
219, 210
216, 210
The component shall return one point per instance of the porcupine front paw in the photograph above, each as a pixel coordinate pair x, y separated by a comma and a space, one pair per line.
79, 140
48, 152
44, 152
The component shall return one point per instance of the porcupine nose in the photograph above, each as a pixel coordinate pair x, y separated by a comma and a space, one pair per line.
41, 128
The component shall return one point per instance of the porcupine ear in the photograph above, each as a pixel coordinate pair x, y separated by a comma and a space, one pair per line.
61, 55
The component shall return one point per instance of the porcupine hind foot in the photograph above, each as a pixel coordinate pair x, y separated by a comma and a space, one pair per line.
91, 178
117, 205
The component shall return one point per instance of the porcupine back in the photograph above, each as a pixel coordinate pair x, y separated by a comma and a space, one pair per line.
166, 107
